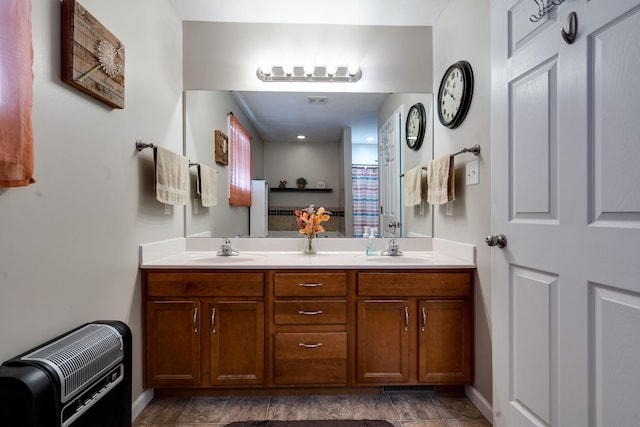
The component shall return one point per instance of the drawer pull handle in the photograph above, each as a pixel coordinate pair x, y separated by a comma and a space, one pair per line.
303, 345
310, 313
213, 320
310, 285
424, 319
406, 318
195, 320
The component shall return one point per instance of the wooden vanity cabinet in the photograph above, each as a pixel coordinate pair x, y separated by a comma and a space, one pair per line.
310, 328
173, 346
414, 327
203, 329
285, 329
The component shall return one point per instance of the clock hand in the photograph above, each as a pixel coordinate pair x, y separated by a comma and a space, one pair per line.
446, 92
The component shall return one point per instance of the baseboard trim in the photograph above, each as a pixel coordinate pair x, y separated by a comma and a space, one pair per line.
141, 402
479, 402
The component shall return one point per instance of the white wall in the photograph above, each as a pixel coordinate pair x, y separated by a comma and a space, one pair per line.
287, 161
364, 154
69, 242
463, 32
416, 220
205, 112
392, 59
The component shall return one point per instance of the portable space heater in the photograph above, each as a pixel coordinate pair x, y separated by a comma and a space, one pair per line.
80, 379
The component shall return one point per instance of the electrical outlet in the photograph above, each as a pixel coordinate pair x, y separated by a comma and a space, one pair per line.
449, 210
472, 172
195, 206
167, 209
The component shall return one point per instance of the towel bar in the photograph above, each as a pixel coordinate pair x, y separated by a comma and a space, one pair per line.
142, 145
475, 150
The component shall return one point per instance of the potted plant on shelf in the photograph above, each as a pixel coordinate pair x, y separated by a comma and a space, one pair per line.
301, 182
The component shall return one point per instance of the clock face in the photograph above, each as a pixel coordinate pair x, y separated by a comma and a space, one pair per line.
415, 126
454, 96
451, 95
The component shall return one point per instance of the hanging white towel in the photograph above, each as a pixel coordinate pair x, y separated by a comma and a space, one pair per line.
171, 177
207, 185
411, 186
441, 181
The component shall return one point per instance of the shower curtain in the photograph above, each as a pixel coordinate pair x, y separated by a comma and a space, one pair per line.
365, 198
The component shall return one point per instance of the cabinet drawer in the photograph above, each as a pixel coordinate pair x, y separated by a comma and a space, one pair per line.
440, 284
310, 284
171, 284
310, 358
310, 312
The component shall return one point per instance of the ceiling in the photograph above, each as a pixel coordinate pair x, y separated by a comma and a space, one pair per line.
281, 116
345, 12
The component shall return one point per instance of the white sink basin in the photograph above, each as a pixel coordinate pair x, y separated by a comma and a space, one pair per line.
398, 259
215, 259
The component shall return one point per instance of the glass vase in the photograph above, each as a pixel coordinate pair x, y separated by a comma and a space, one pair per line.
310, 245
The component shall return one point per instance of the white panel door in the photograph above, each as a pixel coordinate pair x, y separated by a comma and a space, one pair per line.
566, 193
389, 148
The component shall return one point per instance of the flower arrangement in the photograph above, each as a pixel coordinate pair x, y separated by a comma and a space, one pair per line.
309, 220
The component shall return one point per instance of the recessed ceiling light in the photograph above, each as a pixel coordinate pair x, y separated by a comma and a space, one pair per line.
301, 137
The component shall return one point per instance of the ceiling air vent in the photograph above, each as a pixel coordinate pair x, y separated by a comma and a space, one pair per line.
317, 100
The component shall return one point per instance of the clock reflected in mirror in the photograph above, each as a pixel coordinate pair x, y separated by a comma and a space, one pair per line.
415, 126
455, 93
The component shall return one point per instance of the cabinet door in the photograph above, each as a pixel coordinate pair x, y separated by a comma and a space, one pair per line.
172, 347
444, 342
383, 341
237, 342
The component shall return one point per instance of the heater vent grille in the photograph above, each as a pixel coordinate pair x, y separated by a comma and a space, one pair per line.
82, 356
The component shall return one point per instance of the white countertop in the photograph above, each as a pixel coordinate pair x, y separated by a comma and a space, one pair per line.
174, 254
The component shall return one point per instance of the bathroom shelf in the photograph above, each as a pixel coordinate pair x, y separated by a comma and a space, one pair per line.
294, 190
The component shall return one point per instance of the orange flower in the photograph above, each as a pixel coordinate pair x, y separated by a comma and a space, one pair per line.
309, 220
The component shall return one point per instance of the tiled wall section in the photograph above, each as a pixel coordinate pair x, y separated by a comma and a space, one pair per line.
283, 218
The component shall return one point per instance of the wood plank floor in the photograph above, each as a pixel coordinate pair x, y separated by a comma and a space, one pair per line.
402, 410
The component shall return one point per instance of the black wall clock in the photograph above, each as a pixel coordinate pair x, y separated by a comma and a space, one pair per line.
455, 93
415, 126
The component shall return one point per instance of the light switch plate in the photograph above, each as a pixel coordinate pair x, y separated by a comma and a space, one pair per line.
167, 209
449, 209
472, 172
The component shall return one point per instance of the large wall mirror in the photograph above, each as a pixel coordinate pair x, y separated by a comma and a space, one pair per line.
352, 158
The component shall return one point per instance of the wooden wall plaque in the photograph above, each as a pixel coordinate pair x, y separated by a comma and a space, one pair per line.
222, 148
92, 57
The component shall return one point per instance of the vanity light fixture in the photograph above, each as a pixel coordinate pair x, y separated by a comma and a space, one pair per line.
310, 73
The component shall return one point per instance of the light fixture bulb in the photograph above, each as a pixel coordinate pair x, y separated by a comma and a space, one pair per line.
309, 69
332, 69
353, 68
288, 69
265, 69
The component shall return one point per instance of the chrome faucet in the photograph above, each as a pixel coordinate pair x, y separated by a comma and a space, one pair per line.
226, 249
393, 249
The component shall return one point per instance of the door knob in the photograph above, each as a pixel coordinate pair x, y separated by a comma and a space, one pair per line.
499, 240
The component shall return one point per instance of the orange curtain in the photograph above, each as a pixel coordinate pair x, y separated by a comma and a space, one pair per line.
239, 164
16, 94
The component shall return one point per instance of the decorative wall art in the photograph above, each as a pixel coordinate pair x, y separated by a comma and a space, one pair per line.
222, 148
92, 57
